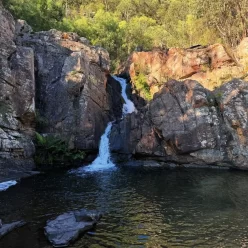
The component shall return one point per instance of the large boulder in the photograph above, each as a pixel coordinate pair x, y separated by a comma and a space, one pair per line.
17, 107
67, 227
188, 124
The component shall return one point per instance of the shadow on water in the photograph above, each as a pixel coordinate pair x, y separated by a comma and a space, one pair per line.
142, 208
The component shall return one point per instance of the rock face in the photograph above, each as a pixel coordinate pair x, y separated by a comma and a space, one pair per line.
188, 124
75, 96
54, 82
233, 102
17, 107
210, 65
67, 227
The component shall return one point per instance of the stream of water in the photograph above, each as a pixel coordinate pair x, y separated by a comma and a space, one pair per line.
128, 106
103, 160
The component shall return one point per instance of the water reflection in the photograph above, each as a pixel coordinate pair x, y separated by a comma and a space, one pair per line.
142, 208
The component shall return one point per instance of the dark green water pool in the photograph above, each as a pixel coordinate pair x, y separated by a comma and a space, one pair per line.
142, 208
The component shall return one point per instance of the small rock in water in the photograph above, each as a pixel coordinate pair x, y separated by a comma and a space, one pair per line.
6, 228
67, 227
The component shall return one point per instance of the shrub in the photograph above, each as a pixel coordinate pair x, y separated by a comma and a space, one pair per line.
51, 150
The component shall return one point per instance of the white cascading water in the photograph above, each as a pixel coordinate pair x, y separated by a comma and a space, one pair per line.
5, 185
128, 106
103, 160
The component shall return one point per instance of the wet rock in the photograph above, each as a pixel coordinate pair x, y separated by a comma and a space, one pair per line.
7, 184
6, 228
67, 227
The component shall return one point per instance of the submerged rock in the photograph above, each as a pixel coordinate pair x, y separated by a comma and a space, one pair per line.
67, 227
6, 228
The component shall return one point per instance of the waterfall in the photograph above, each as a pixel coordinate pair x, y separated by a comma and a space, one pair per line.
103, 160
128, 106
5, 185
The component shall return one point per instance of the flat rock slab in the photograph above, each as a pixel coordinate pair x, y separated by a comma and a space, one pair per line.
6, 228
67, 227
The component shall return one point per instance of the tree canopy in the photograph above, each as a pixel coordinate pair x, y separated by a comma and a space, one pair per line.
120, 26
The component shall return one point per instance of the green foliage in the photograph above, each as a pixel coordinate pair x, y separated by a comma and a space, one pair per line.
140, 81
40, 14
228, 18
122, 25
52, 150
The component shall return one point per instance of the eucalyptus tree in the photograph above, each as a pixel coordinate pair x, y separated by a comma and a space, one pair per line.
229, 18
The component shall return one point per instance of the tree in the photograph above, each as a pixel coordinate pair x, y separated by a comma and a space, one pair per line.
122, 25
227, 17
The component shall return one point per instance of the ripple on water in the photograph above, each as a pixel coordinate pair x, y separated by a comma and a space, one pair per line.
158, 208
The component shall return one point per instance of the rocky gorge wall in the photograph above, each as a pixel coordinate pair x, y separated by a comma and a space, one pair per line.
186, 124
55, 83
75, 95
17, 96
